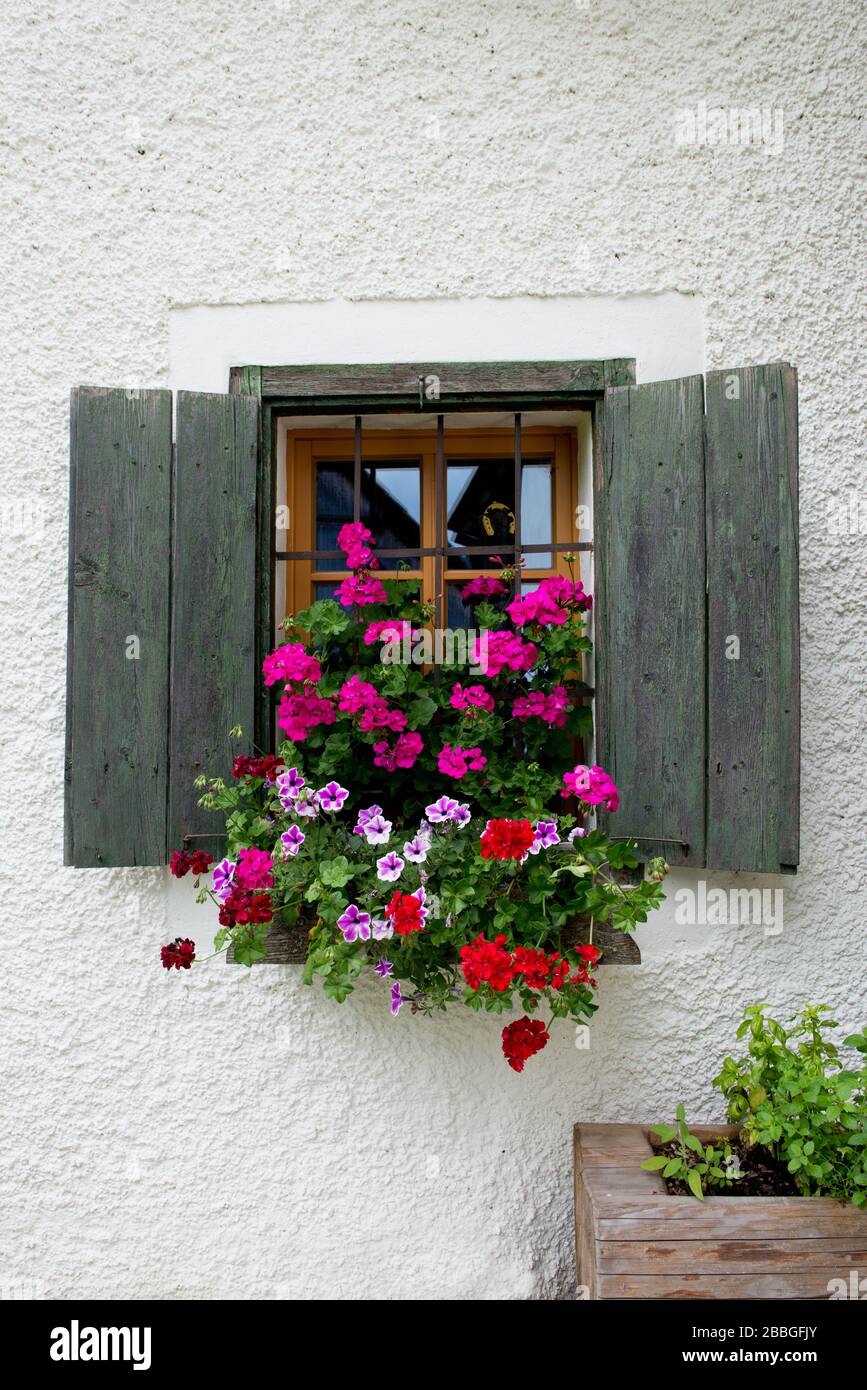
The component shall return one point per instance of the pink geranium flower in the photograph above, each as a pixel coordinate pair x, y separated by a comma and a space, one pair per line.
355, 694
298, 714
486, 586
291, 663
549, 604
473, 696
359, 590
592, 785
254, 870
404, 753
551, 709
505, 650
456, 762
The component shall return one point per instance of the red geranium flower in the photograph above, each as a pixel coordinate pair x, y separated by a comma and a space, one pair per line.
200, 862
522, 1039
532, 964
404, 910
507, 839
487, 962
180, 863
245, 766
242, 906
180, 953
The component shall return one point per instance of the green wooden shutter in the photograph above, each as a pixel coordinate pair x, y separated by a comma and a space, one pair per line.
650, 613
753, 625
214, 681
118, 627
697, 616
162, 616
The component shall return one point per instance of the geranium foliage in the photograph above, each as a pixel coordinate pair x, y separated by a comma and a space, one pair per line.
429, 824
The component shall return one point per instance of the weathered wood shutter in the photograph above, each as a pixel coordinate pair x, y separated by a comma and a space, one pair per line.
162, 615
696, 517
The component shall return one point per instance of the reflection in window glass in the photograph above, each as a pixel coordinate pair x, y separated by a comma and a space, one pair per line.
390, 506
480, 502
536, 510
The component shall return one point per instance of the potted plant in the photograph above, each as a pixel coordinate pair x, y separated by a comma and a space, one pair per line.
424, 825
772, 1205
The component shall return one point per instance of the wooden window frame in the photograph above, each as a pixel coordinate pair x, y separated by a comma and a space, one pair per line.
437, 388
306, 448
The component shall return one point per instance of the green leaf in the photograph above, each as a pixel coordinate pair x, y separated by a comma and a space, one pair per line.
658, 1161
694, 1183
421, 711
673, 1166
336, 873
664, 1132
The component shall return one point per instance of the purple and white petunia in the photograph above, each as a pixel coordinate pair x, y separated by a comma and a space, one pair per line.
545, 835
303, 807
292, 840
416, 849
462, 815
364, 818
384, 967
289, 785
422, 897
377, 831
441, 810
354, 923
390, 867
397, 999
332, 796
224, 875
576, 834
381, 930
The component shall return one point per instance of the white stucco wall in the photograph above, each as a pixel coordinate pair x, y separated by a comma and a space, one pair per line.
232, 1134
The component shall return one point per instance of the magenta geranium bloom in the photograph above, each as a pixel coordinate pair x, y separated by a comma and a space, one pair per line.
592, 785
254, 870
332, 796
354, 924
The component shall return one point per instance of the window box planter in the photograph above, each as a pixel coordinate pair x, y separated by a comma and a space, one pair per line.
633, 1240
288, 945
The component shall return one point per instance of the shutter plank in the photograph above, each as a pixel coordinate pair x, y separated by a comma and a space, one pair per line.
213, 673
753, 701
119, 564
650, 613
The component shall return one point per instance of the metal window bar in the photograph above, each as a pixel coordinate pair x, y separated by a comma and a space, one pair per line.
356, 478
516, 580
441, 551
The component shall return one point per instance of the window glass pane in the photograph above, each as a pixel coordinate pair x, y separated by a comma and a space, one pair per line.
536, 513
459, 615
333, 508
326, 590
480, 502
390, 506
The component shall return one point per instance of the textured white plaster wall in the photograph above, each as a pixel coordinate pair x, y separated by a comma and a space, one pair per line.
233, 1134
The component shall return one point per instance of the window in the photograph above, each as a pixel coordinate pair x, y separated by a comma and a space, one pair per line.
694, 539
468, 513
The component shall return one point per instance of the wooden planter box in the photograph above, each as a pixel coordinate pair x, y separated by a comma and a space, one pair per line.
635, 1241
